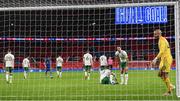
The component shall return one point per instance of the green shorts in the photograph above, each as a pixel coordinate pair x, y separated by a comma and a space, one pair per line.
9, 69
26, 68
105, 80
123, 65
58, 68
103, 67
87, 68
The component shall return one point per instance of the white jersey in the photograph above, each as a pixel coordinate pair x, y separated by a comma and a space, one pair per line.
26, 62
105, 73
87, 59
59, 61
9, 60
103, 60
122, 55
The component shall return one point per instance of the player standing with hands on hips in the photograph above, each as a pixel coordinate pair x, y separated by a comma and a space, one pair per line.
122, 57
9, 66
59, 62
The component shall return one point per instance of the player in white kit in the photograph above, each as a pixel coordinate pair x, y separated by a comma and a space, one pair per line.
103, 62
87, 61
107, 77
122, 57
59, 62
9, 66
26, 66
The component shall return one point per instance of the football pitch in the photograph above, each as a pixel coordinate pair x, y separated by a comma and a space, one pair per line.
142, 85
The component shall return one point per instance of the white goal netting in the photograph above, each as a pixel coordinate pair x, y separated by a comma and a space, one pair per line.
46, 29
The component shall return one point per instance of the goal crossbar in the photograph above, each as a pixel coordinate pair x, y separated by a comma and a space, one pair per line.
85, 6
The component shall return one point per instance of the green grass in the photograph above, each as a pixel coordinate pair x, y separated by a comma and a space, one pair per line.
142, 85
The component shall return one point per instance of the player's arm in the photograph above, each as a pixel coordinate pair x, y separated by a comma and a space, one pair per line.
29, 65
83, 60
62, 60
99, 59
13, 61
4, 62
116, 56
91, 60
161, 51
127, 60
45, 64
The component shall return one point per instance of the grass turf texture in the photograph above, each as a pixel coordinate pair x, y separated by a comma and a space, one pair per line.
142, 85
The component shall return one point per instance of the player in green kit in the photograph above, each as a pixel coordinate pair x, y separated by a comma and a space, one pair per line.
59, 62
87, 61
26, 65
103, 62
107, 77
9, 66
121, 55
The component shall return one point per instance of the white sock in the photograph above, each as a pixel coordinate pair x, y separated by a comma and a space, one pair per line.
122, 78
86, 74
10, 78
60, 74
111, 79
57, 72
7, 77
126, 78
25, 75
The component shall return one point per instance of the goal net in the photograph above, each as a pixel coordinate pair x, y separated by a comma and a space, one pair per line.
70, 28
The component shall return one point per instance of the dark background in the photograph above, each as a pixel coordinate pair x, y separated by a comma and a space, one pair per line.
78, 23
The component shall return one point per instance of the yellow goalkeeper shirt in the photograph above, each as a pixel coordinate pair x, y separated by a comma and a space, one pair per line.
164, 49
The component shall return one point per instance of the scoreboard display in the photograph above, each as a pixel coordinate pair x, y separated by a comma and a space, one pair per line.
141, 15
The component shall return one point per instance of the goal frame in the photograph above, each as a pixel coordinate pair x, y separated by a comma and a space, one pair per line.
176, 17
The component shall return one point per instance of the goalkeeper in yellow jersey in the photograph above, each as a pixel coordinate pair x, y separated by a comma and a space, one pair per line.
165, 58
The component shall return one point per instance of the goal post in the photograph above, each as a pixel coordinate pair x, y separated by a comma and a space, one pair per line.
177, 34
128, 37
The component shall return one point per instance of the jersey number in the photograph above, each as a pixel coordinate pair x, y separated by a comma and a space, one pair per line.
87, 58
9, 59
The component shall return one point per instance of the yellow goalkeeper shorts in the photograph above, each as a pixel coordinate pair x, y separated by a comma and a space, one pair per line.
165, 64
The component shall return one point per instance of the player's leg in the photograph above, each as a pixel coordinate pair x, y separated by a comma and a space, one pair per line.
89, 70
122, 76
168, 65
25, 72
166, 80
60, 70
46, 72
7, 74
122, 66
164, 71
57, 71
10, 74
113, 79
102, 68
86, 72
126, 75
50, 73
105, 80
